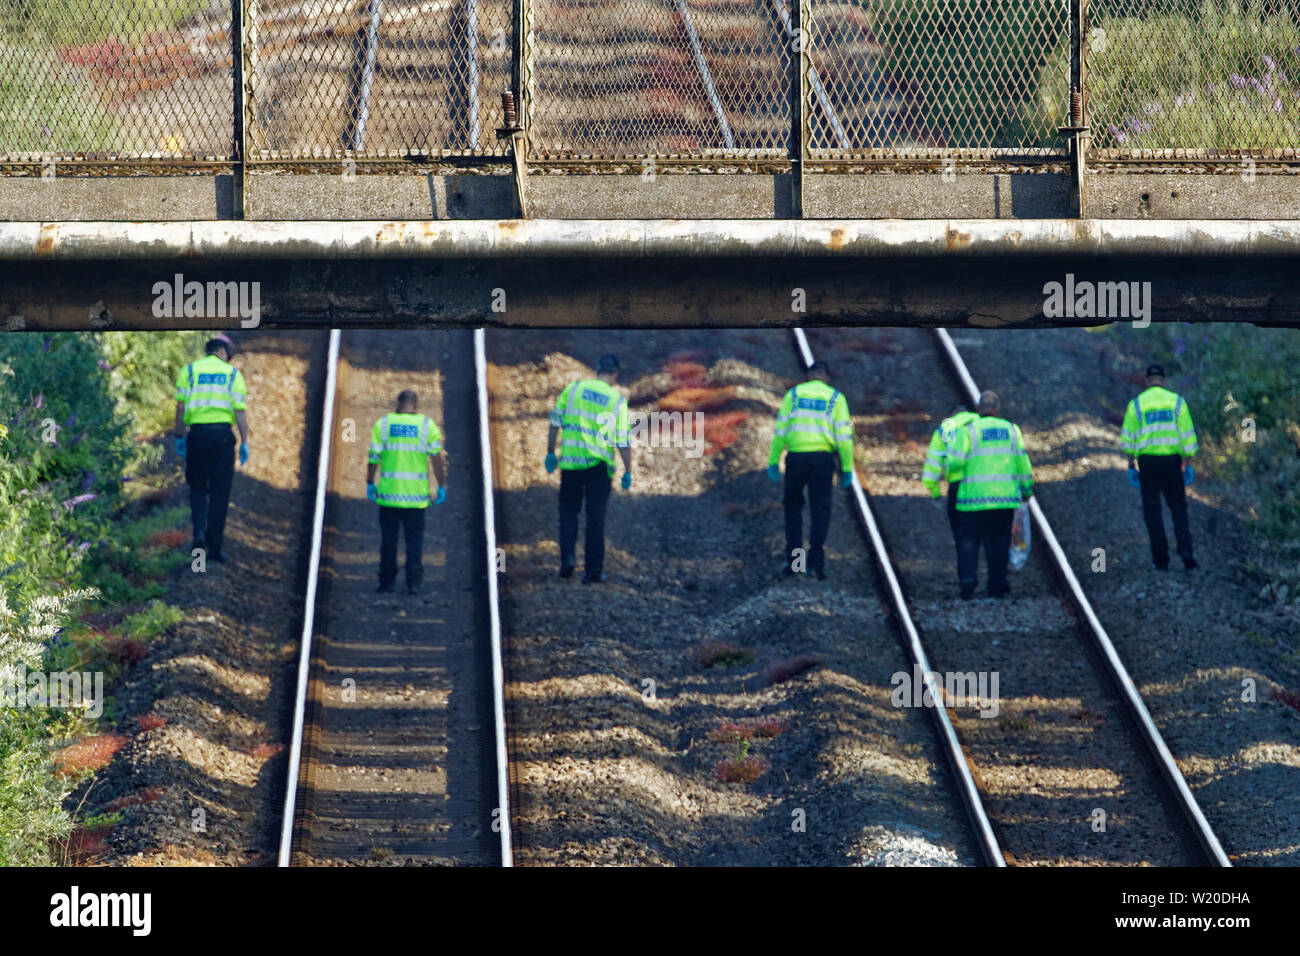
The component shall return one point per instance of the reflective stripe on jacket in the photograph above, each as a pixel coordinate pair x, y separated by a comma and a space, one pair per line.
813, 417
401, 444
995, 467
1158, 422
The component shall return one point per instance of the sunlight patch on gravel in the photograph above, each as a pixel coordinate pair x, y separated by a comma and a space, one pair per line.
244, 683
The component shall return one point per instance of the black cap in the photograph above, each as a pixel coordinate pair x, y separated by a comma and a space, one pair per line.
607, 363
819, 366
1155, 370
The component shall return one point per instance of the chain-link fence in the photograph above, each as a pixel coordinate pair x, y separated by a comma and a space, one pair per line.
107, 79
661, 78
948, 77
377, 78
1193, 76
606, 80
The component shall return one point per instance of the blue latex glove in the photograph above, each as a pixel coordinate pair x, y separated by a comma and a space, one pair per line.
243, 453
551, 463
774, 473
372, 492
1189, 473
627, 480
1133, 477
846, 479
440, 497
180, 446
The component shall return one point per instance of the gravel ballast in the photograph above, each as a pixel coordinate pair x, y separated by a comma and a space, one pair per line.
611, 711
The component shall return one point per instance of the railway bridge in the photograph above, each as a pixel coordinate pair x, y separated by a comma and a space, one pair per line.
659, 162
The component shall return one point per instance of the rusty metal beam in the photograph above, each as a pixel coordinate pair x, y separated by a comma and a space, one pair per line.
603, 239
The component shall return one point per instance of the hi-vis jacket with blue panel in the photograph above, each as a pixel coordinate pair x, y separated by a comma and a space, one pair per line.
994, 464
813, 417
1157, 422
939, 464
401, 444
592, 417
211, 390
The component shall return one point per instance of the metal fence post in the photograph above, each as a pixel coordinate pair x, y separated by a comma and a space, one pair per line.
801, 22
1077, 129
238, 146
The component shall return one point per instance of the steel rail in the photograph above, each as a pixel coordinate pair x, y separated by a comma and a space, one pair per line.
702, 64
1151, 737
814, 77
501, 819
309, 612
988, 842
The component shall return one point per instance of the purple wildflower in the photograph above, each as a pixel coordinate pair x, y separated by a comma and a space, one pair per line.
40, 400
71, 503
1269, 64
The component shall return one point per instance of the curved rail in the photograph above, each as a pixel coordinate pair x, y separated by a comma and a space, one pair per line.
1131, 699
985, 837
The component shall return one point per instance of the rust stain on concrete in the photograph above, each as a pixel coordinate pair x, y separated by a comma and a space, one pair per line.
45, 239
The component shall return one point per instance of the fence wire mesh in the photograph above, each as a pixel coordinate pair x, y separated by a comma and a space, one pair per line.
666, 78
1212, 75
381, 78
107, 79
938, 76
694, 79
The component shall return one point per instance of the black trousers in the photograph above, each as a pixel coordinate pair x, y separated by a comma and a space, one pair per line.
1163, 475
814, 470
411, 521
954, 516
209, 471
992, 530
576, 484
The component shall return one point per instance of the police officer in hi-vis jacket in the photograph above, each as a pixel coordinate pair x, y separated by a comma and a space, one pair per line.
403, 445
210, 397
939, 464
815, 431
996, 479
591, 419
1160, 440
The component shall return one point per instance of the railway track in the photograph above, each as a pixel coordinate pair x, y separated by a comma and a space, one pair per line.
1002, 833
398, 743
